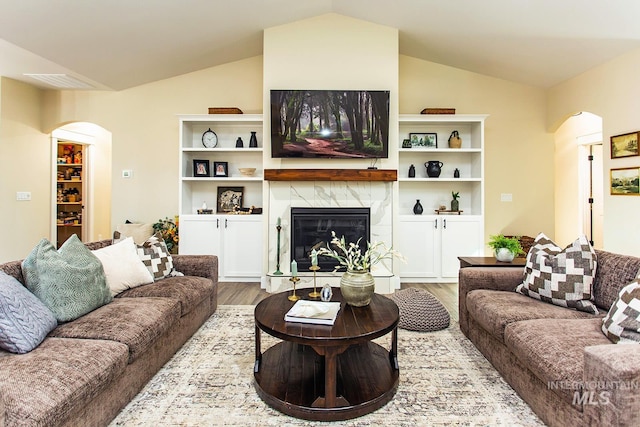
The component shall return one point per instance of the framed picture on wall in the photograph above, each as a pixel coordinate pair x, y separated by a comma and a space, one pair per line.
625, 145
220, 169
424, 140
624, 181
201, 168
229, 198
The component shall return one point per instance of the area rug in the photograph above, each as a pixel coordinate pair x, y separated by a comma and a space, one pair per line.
444, 380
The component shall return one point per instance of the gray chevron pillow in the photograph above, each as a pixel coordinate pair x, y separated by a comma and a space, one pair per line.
24, 320
70, 281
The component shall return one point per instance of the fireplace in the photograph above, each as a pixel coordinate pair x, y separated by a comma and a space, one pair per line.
311, 228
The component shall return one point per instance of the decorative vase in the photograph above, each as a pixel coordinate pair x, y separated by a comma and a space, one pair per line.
456, 173
253, 141
454, 140
455, 205
504, 255
434, 167
239, 143
417, 208
357, 287
412, 171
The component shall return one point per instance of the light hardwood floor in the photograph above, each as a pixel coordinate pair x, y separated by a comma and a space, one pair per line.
242, 293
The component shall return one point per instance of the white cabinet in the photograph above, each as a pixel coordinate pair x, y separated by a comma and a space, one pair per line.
235, 239
432, 244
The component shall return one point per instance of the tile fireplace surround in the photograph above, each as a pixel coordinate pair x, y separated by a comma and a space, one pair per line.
283, 195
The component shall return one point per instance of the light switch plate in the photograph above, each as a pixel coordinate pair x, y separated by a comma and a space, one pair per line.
127, 173
506, 197
23, 195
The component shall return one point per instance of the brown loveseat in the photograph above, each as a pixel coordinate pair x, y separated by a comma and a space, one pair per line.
88, 369
557, 359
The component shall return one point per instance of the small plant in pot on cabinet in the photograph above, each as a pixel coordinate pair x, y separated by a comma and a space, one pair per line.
505, 248
455, 203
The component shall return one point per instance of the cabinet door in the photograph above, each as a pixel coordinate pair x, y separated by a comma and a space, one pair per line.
460, 237
242, 246
419, 244
200, 236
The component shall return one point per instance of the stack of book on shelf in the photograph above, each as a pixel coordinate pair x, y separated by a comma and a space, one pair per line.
316, 312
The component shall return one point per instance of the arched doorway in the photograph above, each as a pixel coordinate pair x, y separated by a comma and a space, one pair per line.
88, 214
579, 178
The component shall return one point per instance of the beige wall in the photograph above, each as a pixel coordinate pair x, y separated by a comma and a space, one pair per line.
518, 148
144, 127
610, 91
24, 166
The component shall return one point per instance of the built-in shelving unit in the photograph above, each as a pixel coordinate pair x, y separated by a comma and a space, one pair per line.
235, 239
434, 241
69, 191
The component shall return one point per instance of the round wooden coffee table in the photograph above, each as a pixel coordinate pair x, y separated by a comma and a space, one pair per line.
327, 373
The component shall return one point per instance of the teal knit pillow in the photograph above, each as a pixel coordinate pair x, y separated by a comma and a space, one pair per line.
70, 281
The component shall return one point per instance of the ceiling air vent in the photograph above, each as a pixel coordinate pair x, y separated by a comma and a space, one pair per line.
61, 81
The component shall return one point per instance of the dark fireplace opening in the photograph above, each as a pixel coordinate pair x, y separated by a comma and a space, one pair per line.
311, 229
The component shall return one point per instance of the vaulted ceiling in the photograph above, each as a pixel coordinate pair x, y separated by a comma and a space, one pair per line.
118, 44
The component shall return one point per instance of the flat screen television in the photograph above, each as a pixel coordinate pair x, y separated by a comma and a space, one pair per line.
330, 124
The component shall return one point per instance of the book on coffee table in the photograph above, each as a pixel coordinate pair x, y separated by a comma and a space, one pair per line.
316, 312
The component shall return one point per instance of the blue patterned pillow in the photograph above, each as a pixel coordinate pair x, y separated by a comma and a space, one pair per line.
24, 320
69, 281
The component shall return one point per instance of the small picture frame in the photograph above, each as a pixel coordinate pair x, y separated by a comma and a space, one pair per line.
424, 140
406, 143
201, 168
220, 169
625, 145
229, 198
624, 182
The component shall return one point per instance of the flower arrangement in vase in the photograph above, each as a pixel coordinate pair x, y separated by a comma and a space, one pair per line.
357, 283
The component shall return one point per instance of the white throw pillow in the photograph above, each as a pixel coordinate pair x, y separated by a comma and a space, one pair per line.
139, 232
122, 266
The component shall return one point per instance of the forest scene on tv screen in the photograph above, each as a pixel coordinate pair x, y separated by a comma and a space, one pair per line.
330, 123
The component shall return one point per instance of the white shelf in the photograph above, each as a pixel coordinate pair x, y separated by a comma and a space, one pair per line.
222, 150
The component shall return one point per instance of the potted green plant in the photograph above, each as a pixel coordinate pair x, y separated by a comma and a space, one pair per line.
455, 203
505, 248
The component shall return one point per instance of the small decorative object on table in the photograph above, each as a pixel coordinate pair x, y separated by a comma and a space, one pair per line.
326, 293
357, 284
239, 143
505, 248
455, 203
294, 279
454, 140
247, 171
314, 267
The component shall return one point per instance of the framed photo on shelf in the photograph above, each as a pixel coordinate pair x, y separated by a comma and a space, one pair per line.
229, 198
624, 181
625, 145
201, 168
424, 140
220, 169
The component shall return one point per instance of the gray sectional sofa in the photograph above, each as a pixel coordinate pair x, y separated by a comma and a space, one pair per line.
557, 359
87, 370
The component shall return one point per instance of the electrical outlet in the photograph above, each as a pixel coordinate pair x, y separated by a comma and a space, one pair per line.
23, 195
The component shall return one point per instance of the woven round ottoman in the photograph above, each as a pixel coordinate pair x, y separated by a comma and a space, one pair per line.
420, 310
